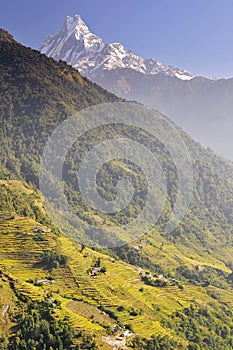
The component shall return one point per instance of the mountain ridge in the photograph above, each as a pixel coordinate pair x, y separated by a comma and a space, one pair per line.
86, 52
5, 36
201, 106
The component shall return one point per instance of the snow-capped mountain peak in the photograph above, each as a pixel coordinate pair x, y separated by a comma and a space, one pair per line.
75, 25
74, 39
85, 51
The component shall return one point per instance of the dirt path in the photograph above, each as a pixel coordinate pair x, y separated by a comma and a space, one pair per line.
5, 312
118, 342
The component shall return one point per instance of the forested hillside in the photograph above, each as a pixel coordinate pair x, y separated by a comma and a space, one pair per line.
170, 291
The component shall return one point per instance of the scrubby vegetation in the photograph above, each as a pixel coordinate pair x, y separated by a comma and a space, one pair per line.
53, 260
39, 330
205, 329
156, 343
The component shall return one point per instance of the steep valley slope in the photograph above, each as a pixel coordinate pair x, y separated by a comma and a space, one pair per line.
163, 291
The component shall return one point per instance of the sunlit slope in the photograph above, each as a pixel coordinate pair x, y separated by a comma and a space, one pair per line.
95, 304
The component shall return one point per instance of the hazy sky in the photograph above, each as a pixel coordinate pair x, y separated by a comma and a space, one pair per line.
196, 35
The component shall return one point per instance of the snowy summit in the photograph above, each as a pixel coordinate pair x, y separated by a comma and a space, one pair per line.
85, 51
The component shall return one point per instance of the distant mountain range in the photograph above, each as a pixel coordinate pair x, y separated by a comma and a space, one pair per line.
86, 52
201, 106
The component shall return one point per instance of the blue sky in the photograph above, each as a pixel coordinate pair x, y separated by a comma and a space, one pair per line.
196, 35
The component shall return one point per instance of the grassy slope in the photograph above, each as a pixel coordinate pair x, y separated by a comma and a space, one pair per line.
79, 293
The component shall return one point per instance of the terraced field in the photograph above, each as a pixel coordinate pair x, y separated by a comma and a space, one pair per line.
89, 311
94, 304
